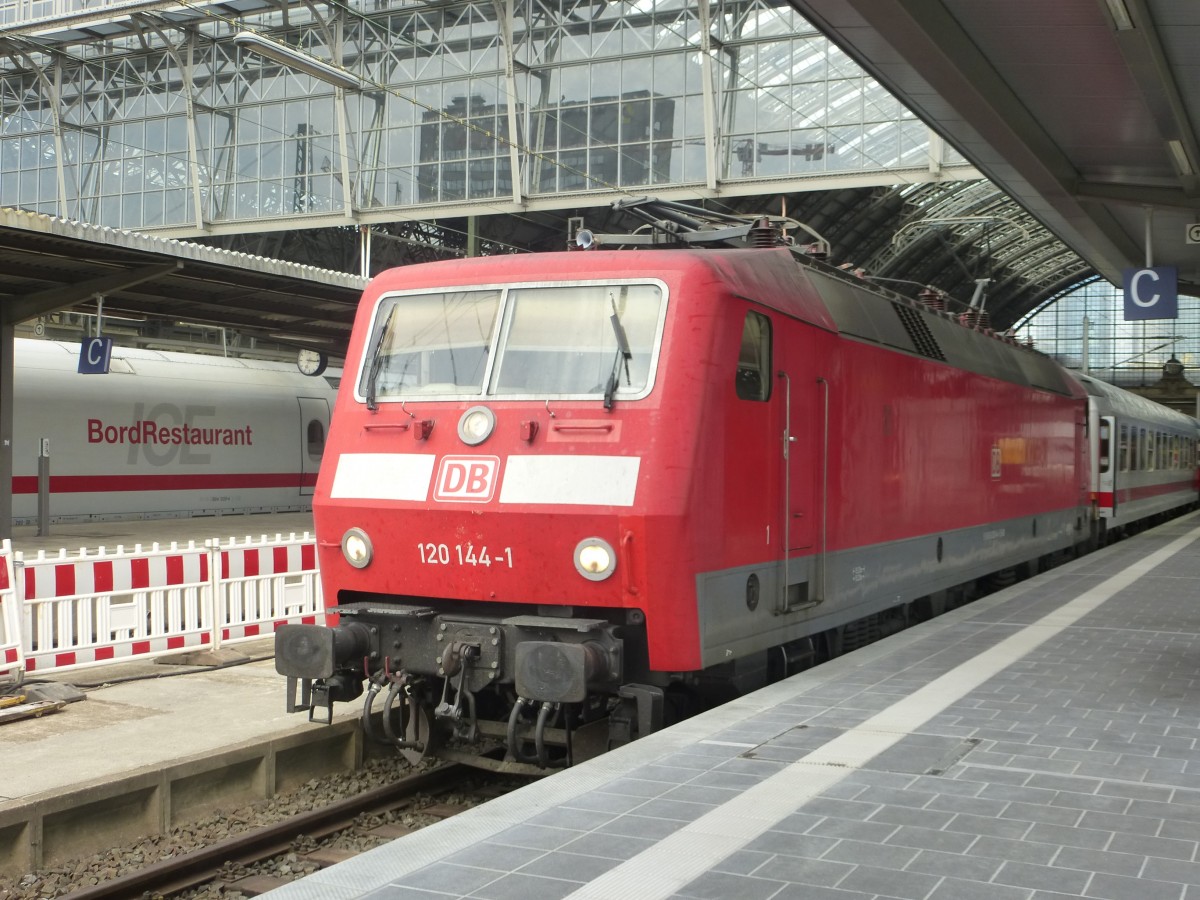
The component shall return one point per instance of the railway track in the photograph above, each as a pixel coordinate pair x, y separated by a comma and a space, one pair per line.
173, 877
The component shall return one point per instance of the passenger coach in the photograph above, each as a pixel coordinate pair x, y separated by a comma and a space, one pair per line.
1144, 457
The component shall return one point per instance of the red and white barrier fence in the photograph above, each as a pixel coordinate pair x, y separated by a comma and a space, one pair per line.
12, 655
87, 608
258, 587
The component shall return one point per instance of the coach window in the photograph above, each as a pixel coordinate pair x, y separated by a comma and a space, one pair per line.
316, 440
753, 378
1124, 448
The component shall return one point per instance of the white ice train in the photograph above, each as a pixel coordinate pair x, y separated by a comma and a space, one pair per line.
164, 434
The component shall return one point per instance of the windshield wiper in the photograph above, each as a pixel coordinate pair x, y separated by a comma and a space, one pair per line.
377, 360
624, 354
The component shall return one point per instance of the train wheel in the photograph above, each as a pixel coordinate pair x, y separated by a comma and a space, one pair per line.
997, 581
827, 645
681, 702
893, 621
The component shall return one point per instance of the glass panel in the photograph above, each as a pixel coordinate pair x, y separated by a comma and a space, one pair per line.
1127, 354
568, 340
621, 81
753, 377
431, 344
564, 340
315, 443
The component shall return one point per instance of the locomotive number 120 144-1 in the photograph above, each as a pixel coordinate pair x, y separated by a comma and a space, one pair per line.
463, 555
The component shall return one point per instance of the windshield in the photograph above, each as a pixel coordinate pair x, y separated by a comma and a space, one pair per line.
577, 340
431, 343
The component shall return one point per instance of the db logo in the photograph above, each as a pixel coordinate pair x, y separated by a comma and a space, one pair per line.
467, 478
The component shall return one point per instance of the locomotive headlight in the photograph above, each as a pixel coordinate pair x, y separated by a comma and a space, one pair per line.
476, 425
356, 547
594, 559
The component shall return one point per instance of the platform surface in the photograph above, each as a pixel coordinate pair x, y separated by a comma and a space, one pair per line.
1039, 744
146, 714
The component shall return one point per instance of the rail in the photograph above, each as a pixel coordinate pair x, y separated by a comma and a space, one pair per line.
191, 870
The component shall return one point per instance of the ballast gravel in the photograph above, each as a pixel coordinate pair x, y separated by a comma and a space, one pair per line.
62, 879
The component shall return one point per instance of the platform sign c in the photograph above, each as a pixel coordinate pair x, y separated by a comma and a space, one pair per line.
94, 355
1151, 293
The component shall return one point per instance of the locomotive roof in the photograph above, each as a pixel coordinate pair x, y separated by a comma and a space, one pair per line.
768, 276
775, 277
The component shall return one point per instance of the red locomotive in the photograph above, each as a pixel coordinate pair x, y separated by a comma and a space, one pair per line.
565, 493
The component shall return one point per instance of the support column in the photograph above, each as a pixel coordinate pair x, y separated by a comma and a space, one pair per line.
7, 350
712, 164
504, 12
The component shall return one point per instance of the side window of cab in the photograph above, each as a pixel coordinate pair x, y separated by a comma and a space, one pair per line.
753, 378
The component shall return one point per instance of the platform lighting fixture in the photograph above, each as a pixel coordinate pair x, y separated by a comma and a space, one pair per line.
298, 60
1120, 14
1180, 157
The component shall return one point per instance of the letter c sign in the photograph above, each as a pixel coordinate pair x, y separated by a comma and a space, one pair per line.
94, 355
1151, 293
